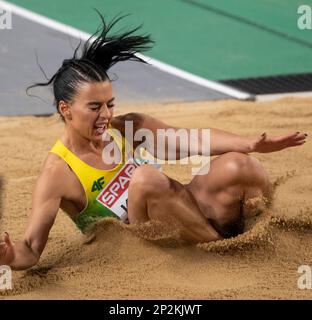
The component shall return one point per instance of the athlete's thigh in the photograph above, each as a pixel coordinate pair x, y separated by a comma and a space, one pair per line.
209, 183
215, 192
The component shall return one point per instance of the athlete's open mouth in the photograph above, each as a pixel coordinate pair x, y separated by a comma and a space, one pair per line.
100, 128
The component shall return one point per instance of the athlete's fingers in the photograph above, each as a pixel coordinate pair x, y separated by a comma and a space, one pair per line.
296, 144
301, 136
261, 138
298, 140
290, 138
287, 137
7, 239
3, 249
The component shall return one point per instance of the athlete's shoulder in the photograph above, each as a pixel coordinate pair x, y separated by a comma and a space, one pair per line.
55, 170
137, 119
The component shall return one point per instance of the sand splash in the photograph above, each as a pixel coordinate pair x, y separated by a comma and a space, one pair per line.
147, 262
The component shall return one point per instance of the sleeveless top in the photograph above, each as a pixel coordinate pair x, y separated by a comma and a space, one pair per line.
106, 190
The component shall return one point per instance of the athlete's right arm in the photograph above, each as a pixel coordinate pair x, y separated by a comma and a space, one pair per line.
45, 205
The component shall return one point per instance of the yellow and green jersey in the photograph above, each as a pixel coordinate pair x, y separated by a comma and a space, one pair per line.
106, 190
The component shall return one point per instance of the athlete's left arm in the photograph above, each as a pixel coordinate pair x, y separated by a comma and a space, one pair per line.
188, 143
222, 142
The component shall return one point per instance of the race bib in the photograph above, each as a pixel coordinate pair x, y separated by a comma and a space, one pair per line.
115, 195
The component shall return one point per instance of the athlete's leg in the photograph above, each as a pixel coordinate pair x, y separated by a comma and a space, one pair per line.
232, 179
154, 196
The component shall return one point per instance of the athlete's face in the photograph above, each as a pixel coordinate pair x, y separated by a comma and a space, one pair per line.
91, 110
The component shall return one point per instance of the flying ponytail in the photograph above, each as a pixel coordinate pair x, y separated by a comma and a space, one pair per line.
106, 50
100, 52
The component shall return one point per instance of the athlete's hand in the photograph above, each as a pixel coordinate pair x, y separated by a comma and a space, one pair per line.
265, 144
7, 250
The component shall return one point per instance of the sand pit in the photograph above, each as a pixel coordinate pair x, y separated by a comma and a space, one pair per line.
122, 262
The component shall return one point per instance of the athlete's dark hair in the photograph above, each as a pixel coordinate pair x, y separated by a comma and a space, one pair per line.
100, 52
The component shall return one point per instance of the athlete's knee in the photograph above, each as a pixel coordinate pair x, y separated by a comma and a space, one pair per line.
144, 174
241, 166
235, 165
247, 172
148, 180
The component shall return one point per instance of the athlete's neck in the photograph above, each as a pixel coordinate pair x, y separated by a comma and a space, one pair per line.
79, 144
